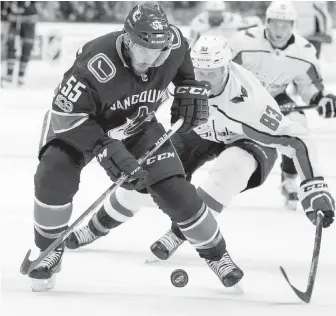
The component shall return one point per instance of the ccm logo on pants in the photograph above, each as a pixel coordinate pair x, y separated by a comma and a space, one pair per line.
162, 156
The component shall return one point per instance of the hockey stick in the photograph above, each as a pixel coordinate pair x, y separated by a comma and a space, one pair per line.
27, 265
306, 296
292, 107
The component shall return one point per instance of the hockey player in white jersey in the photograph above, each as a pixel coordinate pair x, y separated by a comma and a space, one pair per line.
215, 21
278, 56
244, 118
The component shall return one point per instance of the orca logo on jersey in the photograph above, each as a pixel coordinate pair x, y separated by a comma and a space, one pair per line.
132, 125
241, 97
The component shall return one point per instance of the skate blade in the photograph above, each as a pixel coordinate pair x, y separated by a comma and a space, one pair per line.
43, 285
152, 259
239, 288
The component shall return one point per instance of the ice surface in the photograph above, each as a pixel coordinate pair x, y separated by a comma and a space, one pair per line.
110, 277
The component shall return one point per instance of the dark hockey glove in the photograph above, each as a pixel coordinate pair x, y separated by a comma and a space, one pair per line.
115, 159
314, 196
326, 104
191, 103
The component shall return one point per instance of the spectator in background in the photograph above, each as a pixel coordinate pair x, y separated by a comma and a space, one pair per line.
22, 17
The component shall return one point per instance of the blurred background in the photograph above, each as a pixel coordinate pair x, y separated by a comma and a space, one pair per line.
47, 34
179, 12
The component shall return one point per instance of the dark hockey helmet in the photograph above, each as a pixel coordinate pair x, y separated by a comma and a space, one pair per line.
147, 25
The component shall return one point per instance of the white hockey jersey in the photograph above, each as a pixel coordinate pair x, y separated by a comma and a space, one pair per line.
246, 110
231, 24
277, 68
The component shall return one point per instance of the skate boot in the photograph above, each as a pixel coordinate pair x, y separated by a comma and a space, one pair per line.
166, 245
83, 236
7, 82
226, 270
21, 82
43, 276
289, 190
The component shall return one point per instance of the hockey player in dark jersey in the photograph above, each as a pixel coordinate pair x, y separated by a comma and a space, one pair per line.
105, 107
22, 17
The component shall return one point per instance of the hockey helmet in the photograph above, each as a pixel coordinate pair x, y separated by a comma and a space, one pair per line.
215, 11
280, 22
211, 57
211, 52
215, 6
147, 25
281, 10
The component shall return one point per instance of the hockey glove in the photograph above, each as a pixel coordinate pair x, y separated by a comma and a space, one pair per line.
191, 103
326, 104
115, 159
314, 196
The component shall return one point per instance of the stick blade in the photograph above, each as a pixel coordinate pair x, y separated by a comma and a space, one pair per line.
304, 296
26, 263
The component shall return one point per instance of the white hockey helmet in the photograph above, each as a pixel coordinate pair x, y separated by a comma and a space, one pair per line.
215, 6
211, 52
211, 57
280, 22
281, 10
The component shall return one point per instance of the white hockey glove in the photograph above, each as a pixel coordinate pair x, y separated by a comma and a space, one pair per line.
315, 196
326, 104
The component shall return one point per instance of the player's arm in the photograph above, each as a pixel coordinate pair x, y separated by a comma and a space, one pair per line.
190, 96
269, 127
310, 85
74, 106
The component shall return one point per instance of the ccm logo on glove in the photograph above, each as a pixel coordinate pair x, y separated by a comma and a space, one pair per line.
193, 90
315, 186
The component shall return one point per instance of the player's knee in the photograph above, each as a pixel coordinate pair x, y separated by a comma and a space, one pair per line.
58, 174
176, 197
229, 176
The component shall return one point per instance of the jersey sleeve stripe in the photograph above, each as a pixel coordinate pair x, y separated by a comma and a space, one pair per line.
302, 156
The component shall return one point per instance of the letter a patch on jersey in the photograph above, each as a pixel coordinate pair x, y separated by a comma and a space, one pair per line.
241, 97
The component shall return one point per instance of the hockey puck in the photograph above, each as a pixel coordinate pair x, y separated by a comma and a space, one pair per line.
179, 278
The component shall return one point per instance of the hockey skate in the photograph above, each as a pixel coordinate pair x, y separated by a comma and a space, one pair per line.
83, 236
7, 82
289, 190
43, 276
166, 245
226, 270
